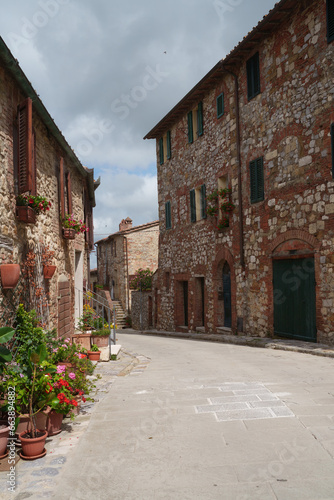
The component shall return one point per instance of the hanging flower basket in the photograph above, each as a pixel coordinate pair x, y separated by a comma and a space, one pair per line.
10, 274
68, 233
26, 214
48, 271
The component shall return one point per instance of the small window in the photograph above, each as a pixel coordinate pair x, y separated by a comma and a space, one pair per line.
168, 215
26, 154
190, 127
332, 142
256, 180
200, 119
192, 205
253, 76
161, 150
330, 20
220, 105
169, 146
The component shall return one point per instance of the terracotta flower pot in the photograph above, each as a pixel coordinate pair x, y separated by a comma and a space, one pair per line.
94, 355
48, 271
68, 233
10, 274
33, 447
26, 214
4, 435
54, 423
100, 340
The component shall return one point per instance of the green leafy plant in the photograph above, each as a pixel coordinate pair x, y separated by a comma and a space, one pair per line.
28, 333
37, 203
6, 334
142, 280
94, 348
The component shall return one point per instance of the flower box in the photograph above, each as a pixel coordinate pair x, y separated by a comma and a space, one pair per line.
68, 233
26, 214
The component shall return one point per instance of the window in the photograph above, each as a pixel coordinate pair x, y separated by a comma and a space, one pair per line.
220, 105
65, 190
253, 76
161, 150
26, 156
168, 215
332, 141
198, 203
190, 127
330, 20
256, 180
169, 145
195, 122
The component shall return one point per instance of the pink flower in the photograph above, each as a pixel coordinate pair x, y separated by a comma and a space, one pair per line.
66, 340
72, 375
61, 368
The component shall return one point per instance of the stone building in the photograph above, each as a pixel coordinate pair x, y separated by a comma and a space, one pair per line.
121, 254
259, 129
36, 160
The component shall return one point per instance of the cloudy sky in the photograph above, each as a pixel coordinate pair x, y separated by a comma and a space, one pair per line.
109, 70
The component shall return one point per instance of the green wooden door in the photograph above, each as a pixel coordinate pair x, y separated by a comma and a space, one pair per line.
294, 298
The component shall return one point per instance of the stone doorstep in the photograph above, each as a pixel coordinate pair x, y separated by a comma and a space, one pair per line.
114, 349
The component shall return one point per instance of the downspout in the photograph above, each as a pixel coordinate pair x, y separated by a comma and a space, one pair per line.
127, 275
237, 118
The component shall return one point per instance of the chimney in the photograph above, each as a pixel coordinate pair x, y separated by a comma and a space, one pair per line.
125, 224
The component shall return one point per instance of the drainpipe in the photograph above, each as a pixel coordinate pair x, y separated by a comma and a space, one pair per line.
127, 275
237, 118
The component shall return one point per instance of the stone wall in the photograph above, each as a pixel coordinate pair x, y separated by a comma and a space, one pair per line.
142, 310
17, 238
288, 124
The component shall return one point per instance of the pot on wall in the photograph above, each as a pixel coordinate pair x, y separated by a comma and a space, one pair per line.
48, 271
10, 274
26, 214
94, 355
100, 340
68, 233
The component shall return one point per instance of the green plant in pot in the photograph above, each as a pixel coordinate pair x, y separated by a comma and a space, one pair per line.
33, 440
94, 353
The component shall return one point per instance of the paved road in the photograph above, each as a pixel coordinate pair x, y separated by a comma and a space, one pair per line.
198, 420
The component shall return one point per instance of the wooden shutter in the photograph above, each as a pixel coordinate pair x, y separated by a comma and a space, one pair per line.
200, 119
256, 180
253, 76
169, 146
192, 205
161, 150
203, 201
25, 147
69, 193
332, 141
168, 215
190, 127
330, 20
220, 105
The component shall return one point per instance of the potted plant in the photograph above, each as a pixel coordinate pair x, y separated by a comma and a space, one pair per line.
28, 206
33, 439
47, 259
101, 337
72, 226
10, 274
94, 353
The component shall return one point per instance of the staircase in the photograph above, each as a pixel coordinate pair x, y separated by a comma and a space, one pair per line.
120, 314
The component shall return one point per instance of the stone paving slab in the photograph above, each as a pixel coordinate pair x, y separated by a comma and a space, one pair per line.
249, 401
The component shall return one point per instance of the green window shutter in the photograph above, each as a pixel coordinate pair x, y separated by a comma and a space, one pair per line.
200, 118
256, 180
203, 201
169, 146
168, 215
253, 76
332, 140
192, 205
190, 127
330, 21
161, 150
220, 105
